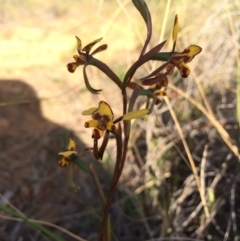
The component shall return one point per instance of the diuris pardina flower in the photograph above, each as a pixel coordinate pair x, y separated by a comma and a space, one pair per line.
180, 60
176, 59
102, 119
84, 54
68, 155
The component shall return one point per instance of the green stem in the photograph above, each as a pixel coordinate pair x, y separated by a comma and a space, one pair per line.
103, 200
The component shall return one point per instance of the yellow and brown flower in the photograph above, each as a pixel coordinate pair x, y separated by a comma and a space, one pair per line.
67, 156
180, 60
176, 59
83, 53
102, 119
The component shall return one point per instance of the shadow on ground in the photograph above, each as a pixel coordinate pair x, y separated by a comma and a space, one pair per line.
29, 174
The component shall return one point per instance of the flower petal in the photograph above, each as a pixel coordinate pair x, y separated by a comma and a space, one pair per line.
71, 145
187, 54
64, 162
72, 67
91, 123
88, 47
67, 153
89, 111
175, 32
183, 69
192, 51
104, 110
79, 44
99, 49
97, 134
135, 114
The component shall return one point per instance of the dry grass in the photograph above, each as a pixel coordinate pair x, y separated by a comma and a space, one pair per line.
158, 197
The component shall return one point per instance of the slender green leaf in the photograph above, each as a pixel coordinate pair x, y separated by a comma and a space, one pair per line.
38, 227
82, 165
141, 7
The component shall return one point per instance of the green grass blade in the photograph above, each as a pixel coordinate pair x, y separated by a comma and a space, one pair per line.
40, 228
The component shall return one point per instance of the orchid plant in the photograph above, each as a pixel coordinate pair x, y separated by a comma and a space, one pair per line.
152, 86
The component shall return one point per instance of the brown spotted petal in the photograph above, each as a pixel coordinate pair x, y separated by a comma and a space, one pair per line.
67, 156
104, 112
88, 47
79, 60
188, 54
72, 67
102, 120
180, 60
64, 162
79, 44
99, 49
183, 69
97, 133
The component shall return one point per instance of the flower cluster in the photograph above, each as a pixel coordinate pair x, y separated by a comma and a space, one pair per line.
102, 116
158, 79
103, 122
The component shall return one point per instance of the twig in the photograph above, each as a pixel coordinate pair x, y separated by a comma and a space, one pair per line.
233, 212
223, 133
194, 169
45, 223
98, 185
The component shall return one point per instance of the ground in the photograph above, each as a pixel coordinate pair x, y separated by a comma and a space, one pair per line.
41, 105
